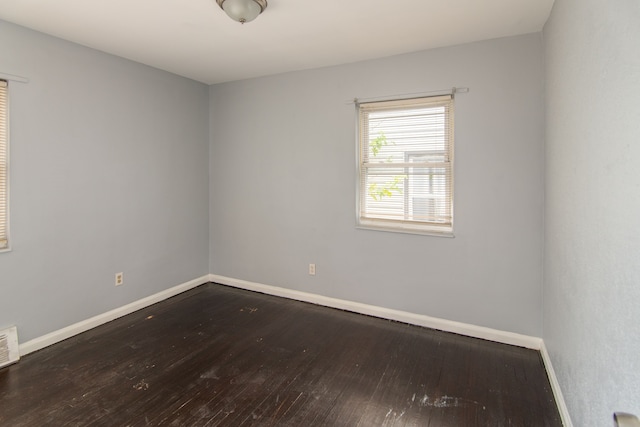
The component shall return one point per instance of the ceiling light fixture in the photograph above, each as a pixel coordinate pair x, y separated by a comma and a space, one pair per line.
243, 10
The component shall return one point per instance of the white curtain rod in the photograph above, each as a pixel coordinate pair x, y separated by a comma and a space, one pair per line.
451, 91
13, 78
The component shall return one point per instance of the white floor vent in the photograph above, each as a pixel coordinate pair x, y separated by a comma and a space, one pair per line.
9, 352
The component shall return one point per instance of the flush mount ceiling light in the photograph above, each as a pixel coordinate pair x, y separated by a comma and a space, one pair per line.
243, 10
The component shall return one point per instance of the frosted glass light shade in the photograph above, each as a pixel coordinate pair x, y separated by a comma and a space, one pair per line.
243, 10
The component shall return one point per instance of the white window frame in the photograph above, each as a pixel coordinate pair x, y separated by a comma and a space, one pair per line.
4, 166
395, 214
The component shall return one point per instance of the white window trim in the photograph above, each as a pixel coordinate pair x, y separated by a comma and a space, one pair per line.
399, 226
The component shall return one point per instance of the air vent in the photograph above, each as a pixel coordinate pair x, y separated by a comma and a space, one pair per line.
9, 346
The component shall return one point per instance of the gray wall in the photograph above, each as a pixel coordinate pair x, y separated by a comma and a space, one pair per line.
108, 174
592, 237
282, 174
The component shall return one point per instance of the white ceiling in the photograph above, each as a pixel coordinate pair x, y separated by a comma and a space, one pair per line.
195, 39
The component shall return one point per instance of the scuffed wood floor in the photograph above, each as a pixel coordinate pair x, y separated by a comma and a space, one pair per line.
217, 356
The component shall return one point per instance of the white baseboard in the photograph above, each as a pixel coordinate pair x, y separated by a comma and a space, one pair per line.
555, 386
387, 313
77, 328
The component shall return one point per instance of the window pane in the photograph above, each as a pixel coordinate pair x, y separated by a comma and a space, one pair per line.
406, 163
4, 168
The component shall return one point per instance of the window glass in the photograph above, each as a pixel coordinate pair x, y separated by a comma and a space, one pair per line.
4, 168
406, 165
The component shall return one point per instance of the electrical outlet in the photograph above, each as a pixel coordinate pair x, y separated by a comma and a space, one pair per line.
119, 279
312, 269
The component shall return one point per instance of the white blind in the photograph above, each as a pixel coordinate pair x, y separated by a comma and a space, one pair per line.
406, 164
4, 168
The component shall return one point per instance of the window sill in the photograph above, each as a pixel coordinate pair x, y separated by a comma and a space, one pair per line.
405, 230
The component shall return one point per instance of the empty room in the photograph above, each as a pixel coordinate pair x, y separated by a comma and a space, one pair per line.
312, 213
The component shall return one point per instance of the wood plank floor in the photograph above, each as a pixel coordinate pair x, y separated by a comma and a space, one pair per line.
218, 356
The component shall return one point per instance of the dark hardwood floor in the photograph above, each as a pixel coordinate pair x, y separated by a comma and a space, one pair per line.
218, 356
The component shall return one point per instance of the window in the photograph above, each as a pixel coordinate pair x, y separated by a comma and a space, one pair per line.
4, 168
406, 165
